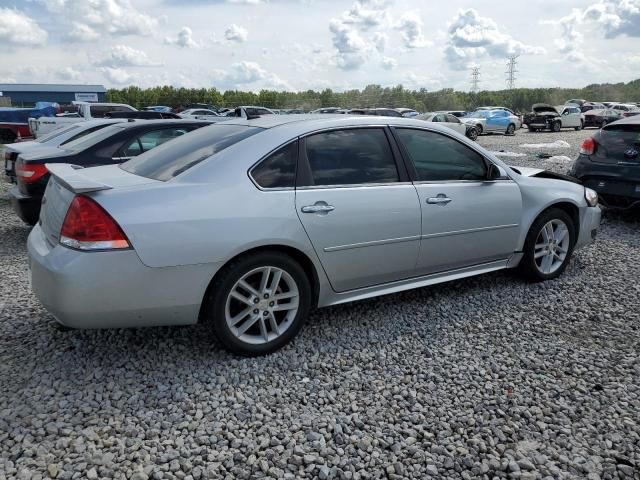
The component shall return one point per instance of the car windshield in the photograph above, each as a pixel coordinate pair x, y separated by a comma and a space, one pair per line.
90, 140
173, 158
478, 114
57, 133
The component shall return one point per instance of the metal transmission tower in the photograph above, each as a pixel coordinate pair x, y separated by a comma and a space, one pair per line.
475, 79
511, 71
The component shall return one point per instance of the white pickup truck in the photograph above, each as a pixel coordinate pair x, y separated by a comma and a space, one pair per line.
85, 111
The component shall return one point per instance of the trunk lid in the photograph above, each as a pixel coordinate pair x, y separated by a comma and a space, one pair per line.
619, 143
67, 181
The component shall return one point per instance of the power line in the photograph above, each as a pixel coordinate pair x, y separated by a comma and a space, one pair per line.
475, 79
511, 71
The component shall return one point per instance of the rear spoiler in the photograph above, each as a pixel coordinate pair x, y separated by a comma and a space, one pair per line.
71, 177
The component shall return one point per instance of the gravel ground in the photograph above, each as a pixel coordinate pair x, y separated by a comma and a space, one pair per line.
484, 378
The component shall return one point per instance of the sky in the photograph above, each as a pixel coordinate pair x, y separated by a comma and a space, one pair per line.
316, 44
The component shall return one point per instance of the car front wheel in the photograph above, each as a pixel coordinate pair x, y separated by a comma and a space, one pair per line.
548, 246
258, 303
556, 126
472, 133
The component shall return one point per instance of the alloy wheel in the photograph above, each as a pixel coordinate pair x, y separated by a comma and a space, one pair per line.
262, 305
552, 246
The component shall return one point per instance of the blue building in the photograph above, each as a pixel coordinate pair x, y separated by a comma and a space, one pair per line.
27, 94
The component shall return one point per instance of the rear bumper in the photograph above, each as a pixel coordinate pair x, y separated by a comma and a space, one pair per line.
26, 206
618, 186
113, 289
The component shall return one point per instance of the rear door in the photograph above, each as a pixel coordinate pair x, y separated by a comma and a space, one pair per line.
498, 121
466, 219
358, 207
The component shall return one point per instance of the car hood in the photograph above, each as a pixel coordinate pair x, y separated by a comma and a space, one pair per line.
543, 108
44, 152
526, 171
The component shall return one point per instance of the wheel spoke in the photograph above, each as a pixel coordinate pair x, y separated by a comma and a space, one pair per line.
540, 253
248, 288
274, 323
235, 294
236, 319
284, 296
248, 324
266, 273
277, 275
263, 329
540, 246
545, 235
547, 262
283, 307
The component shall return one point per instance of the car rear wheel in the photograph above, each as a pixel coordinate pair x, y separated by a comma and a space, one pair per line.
555, 127
511, 129
472, 133
259, 303
548, 246
580, 127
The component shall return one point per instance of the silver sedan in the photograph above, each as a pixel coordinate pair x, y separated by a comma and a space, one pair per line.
250, 223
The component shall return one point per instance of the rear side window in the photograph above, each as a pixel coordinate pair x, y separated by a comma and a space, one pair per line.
437, 157
150, 140
83, 133
173, 158
278, 170
350, 157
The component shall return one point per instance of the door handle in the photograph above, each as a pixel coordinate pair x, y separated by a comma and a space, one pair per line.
318, 207
441, 199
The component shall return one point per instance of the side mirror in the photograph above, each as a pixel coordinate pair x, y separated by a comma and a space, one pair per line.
493, 172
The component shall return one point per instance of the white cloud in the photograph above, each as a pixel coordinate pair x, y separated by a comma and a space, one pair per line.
69, 74
389, 63
616, 17
90, 18
236, 33
248, 75
351, 48
184, 39
367, 14
380, 41
125, 56
117, 75
472, 37
410, 25
17, 28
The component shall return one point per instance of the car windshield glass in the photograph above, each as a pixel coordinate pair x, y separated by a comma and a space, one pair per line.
56, 133
478, 114
90, 140
173, 158
625, 134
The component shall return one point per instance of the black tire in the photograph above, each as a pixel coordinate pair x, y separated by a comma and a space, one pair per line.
215, 303
511, 129
556, 126
472, 133
528, 266
479, 129
580, 127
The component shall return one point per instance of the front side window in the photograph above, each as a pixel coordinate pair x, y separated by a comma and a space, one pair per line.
437, 157
452, 119
278, 170
350, 157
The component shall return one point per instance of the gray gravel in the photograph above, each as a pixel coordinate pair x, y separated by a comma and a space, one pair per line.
484, 378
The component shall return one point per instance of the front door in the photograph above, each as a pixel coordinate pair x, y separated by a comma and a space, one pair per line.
466, 219
362, 219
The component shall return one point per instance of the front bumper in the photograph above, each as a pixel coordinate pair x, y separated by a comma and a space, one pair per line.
589, 225
113, 289
26, 206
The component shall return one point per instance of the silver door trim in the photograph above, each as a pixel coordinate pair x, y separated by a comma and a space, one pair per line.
470, 230
373, 243
354, 185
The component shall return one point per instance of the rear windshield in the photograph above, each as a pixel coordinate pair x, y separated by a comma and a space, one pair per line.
56, 133
82, 143
624, 134
173, 158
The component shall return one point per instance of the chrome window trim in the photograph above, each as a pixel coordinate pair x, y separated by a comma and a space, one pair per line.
264, 157
354, 185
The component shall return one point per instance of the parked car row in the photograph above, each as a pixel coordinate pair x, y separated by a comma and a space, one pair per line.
626, 109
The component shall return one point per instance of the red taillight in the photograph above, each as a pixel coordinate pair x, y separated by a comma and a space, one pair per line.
588, 147
87, 226
30, 172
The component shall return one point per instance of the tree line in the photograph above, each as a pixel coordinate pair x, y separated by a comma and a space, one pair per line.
422, 100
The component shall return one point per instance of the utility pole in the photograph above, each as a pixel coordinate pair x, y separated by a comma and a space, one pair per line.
475, 79
511, 71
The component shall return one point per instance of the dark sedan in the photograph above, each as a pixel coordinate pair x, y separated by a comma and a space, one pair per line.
609, 163
113, 144
600, 118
